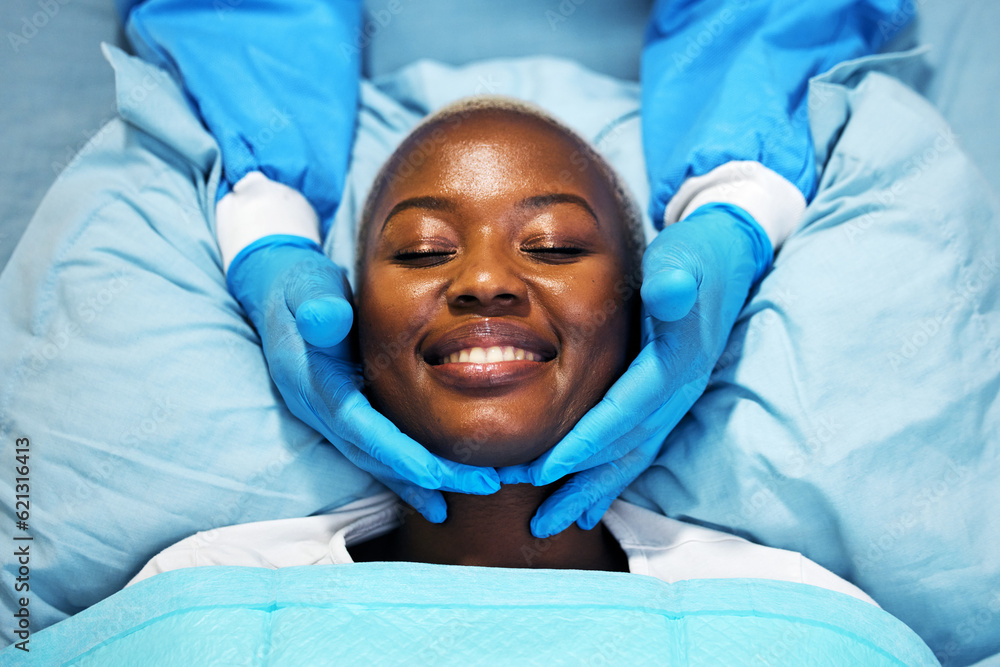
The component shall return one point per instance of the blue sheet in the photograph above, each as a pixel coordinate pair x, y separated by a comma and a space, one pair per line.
408, 613
150, 423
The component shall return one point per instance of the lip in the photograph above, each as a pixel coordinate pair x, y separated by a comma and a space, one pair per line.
487, 333
487, 376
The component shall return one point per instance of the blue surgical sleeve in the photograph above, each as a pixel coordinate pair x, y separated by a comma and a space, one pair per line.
725, 80
274, 81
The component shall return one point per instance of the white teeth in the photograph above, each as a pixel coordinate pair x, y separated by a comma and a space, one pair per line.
490, 355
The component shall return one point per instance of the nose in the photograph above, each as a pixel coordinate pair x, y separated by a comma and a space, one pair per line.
487, 279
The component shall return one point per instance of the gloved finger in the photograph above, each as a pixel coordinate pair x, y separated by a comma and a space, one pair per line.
431, 504
587, 495
594, 515
373, 466
654, 431
580, 493
669, 294
370, 431
519, 474
636, 395
628, 468
318, 297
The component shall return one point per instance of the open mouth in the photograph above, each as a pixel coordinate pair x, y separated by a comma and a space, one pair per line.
488, 355
489, 368
489, 343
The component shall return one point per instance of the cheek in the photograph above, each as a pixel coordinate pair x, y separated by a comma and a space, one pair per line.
594, 318
391, 312
595, 312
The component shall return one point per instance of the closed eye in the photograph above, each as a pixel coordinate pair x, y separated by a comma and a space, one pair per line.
423, 257
555, 253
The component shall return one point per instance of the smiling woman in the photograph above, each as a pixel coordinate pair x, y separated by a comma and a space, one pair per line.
502, 267
498, 258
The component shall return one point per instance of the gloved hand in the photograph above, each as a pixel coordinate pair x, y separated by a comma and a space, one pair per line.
298, 300
697, 275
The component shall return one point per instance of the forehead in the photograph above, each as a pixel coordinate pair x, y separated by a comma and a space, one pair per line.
488, 151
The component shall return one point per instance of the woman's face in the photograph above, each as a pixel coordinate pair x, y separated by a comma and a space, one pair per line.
492, 308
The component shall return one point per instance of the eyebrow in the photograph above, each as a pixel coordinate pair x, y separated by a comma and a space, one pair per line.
541, 201
534, 202
428, 203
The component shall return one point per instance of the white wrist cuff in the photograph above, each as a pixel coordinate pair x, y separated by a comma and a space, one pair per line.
770, 198
257, 207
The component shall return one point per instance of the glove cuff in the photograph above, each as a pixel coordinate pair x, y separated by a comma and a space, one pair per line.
772, 200
258, 207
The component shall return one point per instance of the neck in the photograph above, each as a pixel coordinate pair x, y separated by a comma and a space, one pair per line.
495, 531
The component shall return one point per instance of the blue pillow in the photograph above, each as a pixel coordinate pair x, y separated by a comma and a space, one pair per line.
133, 373
854, 415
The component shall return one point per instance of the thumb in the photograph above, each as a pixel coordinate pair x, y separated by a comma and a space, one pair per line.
669, 294
325, 321
319, 299
672, 271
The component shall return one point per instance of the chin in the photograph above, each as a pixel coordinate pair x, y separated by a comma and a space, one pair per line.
487, 455
473, 447
470, 431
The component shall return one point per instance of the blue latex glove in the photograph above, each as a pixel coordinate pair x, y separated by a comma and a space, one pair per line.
697, 275
291, 292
